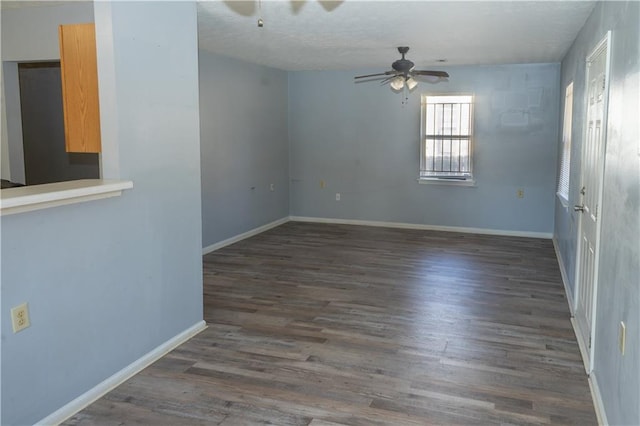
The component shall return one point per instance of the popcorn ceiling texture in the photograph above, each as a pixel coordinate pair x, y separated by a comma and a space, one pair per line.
350, 34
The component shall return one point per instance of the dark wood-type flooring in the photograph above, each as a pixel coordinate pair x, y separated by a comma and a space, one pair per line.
316, 324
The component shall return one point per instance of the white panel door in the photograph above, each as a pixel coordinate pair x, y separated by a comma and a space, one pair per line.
591, 198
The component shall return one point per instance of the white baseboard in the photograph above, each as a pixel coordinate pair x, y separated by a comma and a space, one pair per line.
121, 376
563, 274
486, 231
601, 414
244, 235
263, 228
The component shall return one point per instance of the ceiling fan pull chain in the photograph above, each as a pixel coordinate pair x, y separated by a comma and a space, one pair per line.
260, 21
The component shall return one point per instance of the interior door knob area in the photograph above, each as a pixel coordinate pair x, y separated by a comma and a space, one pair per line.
578, 208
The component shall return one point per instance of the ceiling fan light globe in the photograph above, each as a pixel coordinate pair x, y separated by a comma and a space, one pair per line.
411, 83
397, 83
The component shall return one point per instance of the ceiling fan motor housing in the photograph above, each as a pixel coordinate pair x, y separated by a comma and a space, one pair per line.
403, 65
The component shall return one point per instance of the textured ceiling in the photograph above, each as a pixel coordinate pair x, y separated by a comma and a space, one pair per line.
350, 34
19, 4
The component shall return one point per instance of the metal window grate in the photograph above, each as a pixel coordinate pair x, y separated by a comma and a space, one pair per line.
447, 136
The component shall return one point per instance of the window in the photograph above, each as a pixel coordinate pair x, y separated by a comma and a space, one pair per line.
563, 176
53, 127
447, 137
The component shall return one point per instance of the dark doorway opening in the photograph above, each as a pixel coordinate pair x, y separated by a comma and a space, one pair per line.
45, 156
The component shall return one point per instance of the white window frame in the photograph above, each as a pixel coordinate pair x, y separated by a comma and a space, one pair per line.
466, 179
564, 172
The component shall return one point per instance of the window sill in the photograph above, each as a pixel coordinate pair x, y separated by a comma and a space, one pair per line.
450, 182
36, 197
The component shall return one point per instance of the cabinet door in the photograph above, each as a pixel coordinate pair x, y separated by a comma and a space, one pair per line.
79, 71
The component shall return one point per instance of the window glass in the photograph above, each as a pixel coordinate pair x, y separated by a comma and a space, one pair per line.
563, 175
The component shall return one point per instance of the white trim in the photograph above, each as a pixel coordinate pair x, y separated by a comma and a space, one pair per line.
605, 43
121, 376
563, 274
485, 231
244, 235
35, 197
598, 404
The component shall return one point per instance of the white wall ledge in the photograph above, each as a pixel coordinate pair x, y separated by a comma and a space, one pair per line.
471, 183
36, 197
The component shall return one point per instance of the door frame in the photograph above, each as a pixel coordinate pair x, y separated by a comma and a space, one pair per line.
588, 348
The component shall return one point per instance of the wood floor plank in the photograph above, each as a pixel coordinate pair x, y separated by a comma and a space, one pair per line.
327, 325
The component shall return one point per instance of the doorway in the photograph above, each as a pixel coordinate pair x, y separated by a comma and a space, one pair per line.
45, 156
589, 210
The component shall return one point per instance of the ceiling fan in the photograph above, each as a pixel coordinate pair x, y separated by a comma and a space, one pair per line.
403, 73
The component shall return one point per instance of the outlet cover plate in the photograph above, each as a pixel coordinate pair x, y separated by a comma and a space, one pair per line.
20, 317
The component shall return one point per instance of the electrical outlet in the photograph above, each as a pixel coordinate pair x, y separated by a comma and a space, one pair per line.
337, 196
520, 193
622, 336
20, 317
272, 187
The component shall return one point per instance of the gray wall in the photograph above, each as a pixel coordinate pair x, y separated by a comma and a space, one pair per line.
364, 144
13, 164
244, 146
107, 281
5, 167
618, 376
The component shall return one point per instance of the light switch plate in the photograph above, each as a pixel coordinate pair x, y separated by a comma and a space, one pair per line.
622, 337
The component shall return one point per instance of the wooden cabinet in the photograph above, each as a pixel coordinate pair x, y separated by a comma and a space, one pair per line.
79, 71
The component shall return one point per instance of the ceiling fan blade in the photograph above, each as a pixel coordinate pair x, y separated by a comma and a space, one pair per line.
432, 73
375, 75
388, 79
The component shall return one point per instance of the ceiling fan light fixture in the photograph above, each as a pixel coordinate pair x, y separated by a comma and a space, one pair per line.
411, 83
401, 76
397, 83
